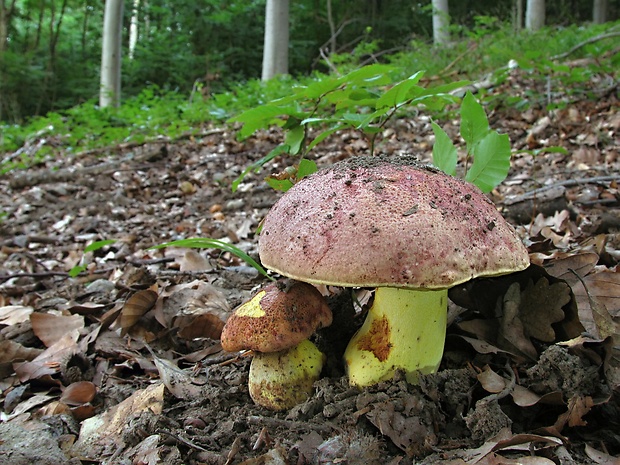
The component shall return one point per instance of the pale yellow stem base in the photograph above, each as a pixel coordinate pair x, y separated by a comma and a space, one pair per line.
405, 329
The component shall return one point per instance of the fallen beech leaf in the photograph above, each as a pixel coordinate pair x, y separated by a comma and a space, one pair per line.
11, 351
578, 406
277, 456
54, 408
135, 307
51, 328
207, 325
177, 381
14, 314
491, 381
194, 261
564, 268
605, 288
408, 433
78, 393
601, 457
103, 431
49, 361
28, 404
182, 304
511, 331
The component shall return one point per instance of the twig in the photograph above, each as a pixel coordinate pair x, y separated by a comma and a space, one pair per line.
567, 183
584, 43
182, 440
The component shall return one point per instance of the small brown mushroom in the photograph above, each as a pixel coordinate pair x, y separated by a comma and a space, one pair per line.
276, 324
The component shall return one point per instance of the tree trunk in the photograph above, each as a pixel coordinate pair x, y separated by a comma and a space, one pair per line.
518, 15
600, 11
110, 91
535, 14
133, 28
275, 53
441, 21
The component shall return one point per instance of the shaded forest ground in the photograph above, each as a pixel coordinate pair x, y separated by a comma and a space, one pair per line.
123, 363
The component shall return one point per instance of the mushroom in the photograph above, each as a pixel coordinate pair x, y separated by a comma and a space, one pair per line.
408, 230
276, 324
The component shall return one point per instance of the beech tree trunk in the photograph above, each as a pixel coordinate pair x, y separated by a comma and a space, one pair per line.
600, 11
110, 91
535, 14
441, 21
275, 53
133, 28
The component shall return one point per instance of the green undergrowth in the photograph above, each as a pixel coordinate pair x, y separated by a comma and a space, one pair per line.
157, 112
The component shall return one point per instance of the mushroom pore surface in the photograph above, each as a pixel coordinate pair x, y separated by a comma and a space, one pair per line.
387, 222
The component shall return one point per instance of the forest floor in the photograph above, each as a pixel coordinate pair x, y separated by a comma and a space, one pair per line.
122, 364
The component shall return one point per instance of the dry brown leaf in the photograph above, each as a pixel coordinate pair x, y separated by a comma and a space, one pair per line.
601, 457
206, 325
11, 351
47, 362
78, 393
565, 268
408, 433
194, 261
277, 456
578, 406
177, 381
491, 381
51, 328
104, 431
14, 314
136, 306
180, 305
541, 306
605, 288
511, 332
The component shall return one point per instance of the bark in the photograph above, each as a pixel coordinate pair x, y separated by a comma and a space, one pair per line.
110, 91
600, 11
518, 15
535, 14
441, 21
275, 53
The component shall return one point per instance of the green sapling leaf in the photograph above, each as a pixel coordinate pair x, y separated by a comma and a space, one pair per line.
491, 161
474, 122
305, 168
445, 155
294, 139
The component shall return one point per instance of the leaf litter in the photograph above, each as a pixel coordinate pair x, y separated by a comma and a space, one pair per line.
122, 363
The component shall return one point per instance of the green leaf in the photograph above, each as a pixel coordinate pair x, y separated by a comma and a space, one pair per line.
305, 168
491, 161
207, 243
261, 117
76, 270
257, 165
98, 245
324, 135
281, 185
294, 139
371, 75
474, 122
400, 92
445, 155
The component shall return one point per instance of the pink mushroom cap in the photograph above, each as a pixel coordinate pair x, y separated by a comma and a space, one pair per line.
388, 222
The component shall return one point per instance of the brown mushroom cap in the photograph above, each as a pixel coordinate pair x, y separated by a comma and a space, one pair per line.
277, 318
381, 222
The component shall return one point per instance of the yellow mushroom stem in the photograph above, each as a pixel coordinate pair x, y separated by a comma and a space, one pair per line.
281, 380
405, 329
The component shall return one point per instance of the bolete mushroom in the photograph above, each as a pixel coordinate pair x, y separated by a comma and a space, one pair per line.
408, 230
276, 324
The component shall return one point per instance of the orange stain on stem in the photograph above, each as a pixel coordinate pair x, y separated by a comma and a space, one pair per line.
377, 339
